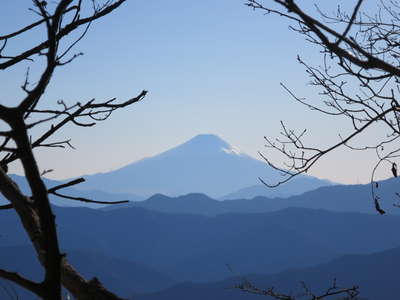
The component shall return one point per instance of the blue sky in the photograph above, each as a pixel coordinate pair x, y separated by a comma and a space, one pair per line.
211, 66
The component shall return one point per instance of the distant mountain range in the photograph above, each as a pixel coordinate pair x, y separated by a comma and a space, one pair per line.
340, 198
376, 275
296, 186
198, 248
204, 164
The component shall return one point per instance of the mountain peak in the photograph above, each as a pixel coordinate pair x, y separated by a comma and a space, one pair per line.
200, 145
205, 164
208, 141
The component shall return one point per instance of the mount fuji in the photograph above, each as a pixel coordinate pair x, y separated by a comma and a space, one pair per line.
204, 164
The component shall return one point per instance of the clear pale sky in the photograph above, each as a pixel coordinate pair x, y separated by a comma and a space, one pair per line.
210, 66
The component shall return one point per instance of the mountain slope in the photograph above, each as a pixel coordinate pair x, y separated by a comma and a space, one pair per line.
193, 247
205, 164
298, 184
123, 276
376, 275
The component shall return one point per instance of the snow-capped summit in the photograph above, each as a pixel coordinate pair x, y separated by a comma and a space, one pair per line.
204, 164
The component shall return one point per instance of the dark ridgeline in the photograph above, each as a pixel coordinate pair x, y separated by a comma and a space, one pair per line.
187, 247
152, 249
375, 274
122, 276
340, 198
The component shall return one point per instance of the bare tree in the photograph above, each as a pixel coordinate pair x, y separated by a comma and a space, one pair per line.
333, 292
358, 79
59, 19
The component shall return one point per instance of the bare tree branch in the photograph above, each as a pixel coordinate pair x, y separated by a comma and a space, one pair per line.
26, 283
35, 212
330, 293
358, 81
54, 190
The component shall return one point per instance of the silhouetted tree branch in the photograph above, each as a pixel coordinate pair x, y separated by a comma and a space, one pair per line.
358, 80
330, 293
54, 190
17, 143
